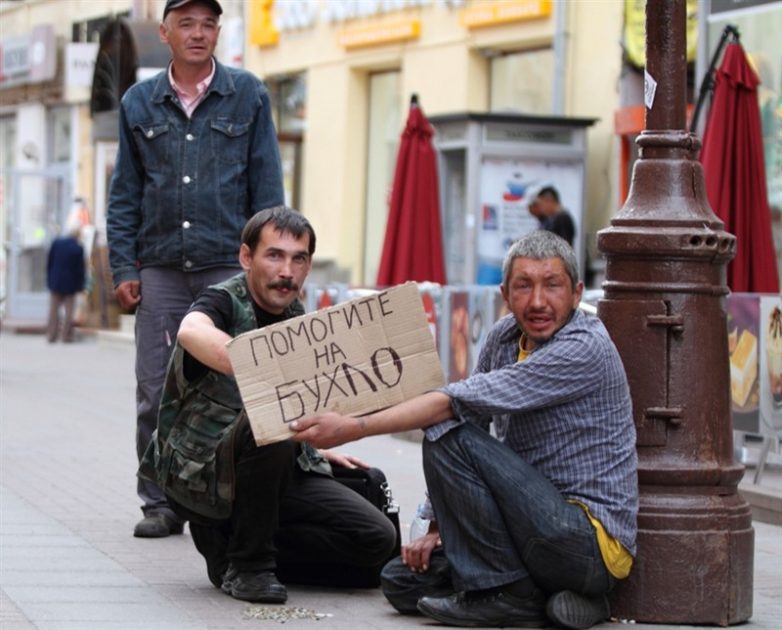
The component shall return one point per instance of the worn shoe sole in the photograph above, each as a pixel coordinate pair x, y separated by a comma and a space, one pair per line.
450, 620
571, 610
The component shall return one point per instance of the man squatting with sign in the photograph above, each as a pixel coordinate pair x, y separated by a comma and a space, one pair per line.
540, 521
258, 514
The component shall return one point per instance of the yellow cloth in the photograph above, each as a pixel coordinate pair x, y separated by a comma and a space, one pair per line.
617, 559
523, 354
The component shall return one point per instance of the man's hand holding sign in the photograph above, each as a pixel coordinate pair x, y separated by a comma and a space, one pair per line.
354, 358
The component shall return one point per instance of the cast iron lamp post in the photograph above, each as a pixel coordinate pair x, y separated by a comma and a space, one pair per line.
664, 306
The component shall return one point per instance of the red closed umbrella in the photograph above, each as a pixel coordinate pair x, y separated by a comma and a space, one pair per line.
733, 166
413, 249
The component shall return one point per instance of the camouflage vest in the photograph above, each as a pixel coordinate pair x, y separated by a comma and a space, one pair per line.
191, 455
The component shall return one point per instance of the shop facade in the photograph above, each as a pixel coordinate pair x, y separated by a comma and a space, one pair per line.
344, 73
44, 83
341, 74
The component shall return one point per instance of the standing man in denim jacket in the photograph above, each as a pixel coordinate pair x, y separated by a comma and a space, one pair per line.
197, 157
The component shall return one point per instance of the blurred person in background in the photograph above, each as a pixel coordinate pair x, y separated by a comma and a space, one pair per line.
65, 274
544, 204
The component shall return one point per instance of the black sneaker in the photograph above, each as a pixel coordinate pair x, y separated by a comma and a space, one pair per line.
250, 586
571, 610
157, 526
494, 608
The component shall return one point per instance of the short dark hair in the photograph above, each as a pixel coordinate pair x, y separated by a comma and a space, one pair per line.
284, 219
550, 191
539, 245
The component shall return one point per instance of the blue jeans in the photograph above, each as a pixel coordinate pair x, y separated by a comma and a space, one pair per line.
500, 521
166, 295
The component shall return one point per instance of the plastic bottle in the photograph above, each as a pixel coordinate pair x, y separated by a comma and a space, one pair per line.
420, 524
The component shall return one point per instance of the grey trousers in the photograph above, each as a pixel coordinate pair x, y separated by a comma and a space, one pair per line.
56, 300
166, 295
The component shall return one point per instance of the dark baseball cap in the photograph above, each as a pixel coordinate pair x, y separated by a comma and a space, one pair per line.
175, 4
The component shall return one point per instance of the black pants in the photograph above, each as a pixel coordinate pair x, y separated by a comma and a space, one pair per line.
308, 528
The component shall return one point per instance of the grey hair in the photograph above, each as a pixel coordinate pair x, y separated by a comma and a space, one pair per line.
539, 245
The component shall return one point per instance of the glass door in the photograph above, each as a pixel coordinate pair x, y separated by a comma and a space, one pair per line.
39, 205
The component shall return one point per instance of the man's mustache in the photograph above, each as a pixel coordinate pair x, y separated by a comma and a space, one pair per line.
285, 283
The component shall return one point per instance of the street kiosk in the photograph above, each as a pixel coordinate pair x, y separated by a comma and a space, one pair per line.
488, 163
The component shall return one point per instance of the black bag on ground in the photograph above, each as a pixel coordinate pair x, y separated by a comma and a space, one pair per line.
372, 484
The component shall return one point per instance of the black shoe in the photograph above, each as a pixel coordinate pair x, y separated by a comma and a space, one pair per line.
494, 608
571, 610
254, 587
157, 526
216, 574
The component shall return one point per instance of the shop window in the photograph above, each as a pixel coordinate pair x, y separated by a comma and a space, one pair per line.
522, 82
59, 135
90, 30
7, 144
385, 126
289, 111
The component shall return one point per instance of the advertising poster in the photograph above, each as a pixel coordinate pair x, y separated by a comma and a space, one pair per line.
770, 368
431, 297
504, 205
459, 335
743, 315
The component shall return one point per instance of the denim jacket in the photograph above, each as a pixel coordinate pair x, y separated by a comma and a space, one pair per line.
183, 188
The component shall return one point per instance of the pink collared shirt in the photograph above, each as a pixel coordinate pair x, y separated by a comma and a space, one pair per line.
190, 102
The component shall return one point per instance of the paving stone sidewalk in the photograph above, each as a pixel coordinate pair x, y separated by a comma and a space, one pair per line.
68, 560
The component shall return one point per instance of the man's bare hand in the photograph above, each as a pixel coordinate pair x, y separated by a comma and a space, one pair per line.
328, 430
417, 555
346, 461
128, 294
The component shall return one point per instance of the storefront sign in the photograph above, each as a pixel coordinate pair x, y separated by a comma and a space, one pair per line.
269, 18
16, 56
80, 64
493, 13
28, 58
380, 34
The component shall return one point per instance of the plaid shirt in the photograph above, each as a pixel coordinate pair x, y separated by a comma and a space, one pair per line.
566, 410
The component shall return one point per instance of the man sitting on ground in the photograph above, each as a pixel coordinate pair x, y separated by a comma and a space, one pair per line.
541, 520
256, 513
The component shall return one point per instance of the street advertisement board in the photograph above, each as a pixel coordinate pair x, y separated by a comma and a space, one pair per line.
755, 347
504, 205
770, 365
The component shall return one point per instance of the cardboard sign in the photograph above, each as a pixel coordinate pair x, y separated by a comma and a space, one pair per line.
354, 358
